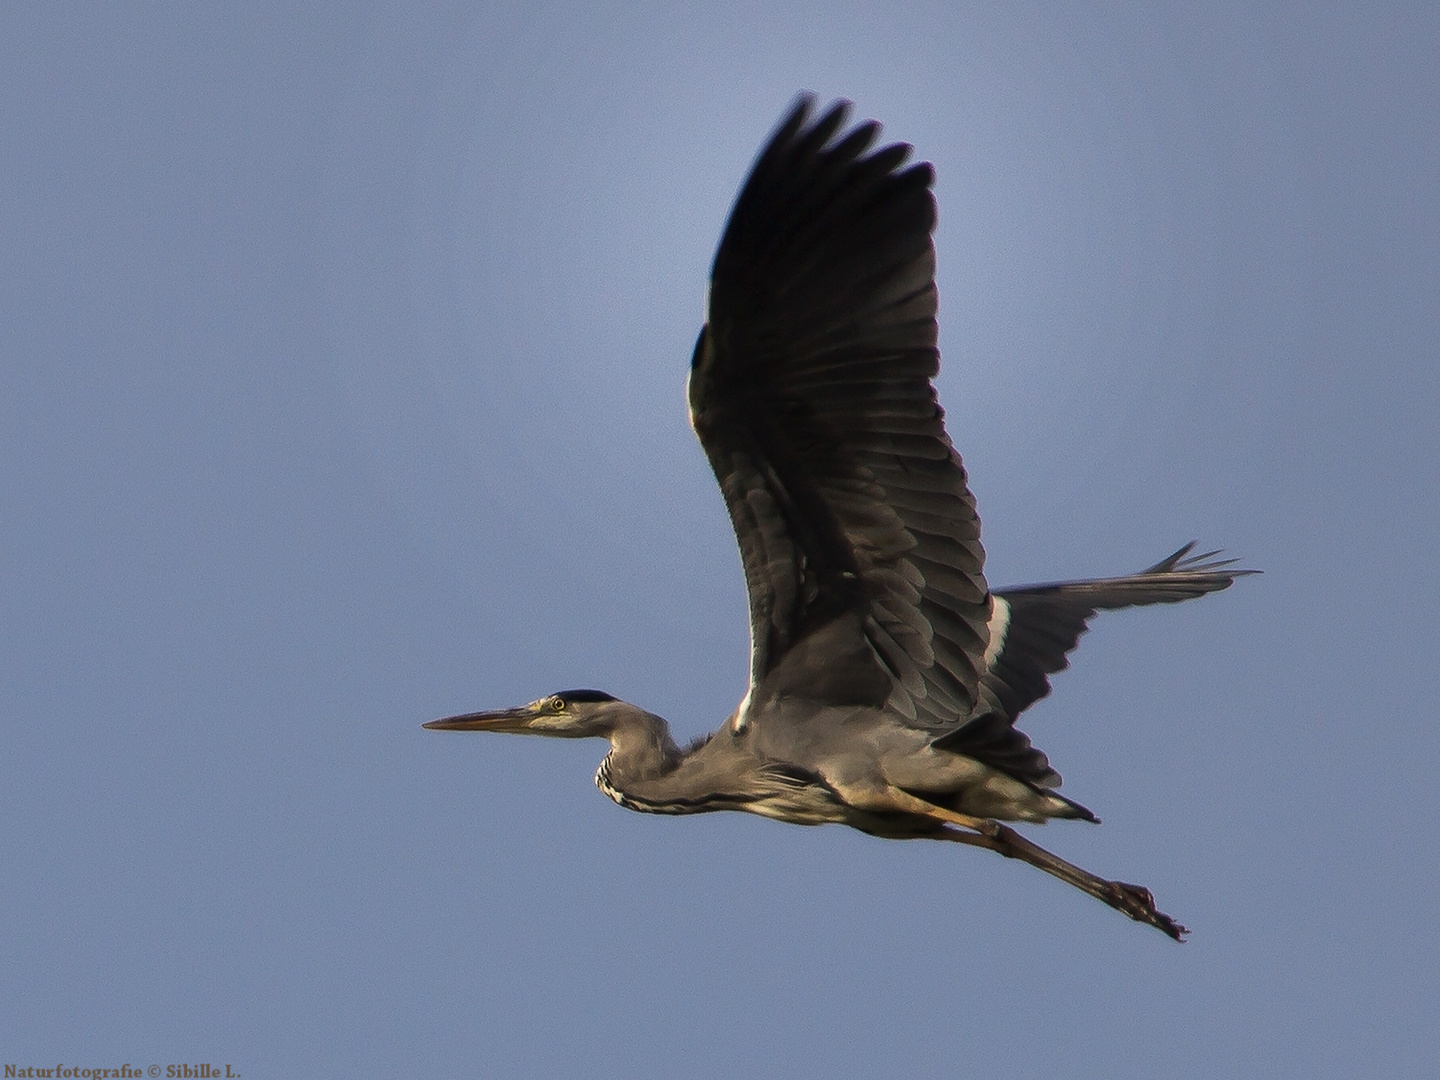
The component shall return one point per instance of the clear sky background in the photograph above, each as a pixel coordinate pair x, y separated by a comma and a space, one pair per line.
342, 354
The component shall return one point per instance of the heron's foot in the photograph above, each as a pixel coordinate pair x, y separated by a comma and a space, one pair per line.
1139, 903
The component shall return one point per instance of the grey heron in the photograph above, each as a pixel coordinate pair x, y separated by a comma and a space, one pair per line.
886, 677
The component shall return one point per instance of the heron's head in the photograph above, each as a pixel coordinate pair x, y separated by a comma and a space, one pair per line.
570, 714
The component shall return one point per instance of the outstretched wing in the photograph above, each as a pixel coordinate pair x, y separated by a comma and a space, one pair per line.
810, 391
1034, 627
1032, 630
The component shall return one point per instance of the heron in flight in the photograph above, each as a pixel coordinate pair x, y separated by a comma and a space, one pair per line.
886, 677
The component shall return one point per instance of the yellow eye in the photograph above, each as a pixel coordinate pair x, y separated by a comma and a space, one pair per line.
557, 703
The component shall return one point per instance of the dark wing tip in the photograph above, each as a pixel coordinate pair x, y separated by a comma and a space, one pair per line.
805, 156
1182, 562
821, 220
799, 115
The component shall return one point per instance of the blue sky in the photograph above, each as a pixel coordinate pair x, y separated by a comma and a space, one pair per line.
343, 361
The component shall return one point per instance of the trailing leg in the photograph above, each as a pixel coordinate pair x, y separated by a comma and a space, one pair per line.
1135, 901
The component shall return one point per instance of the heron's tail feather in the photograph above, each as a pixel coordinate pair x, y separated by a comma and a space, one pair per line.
1028, 795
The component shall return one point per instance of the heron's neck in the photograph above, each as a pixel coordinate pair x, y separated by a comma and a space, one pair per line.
641, 748
646, 771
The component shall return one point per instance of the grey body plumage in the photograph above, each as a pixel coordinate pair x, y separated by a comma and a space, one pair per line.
885, 676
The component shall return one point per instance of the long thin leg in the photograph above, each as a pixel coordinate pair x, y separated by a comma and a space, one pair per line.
1134, 900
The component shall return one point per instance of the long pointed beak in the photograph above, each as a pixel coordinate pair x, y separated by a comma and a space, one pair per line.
517, 719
